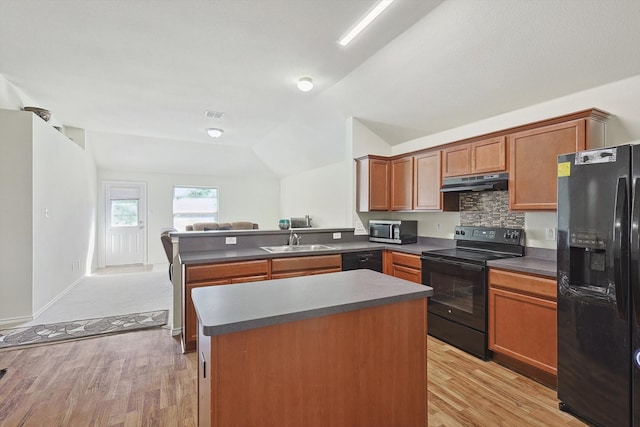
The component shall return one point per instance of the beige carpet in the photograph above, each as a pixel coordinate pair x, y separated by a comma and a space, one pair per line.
111, 292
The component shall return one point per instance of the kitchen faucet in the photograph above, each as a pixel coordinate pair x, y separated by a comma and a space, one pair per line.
294, 239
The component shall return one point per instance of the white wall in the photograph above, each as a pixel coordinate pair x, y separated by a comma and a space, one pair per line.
64, 213
42, 256
321, 193
241, 199
16, 228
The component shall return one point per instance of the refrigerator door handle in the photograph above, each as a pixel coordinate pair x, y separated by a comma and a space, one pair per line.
620, 227
635, 249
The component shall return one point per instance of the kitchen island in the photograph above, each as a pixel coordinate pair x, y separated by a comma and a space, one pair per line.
338, 349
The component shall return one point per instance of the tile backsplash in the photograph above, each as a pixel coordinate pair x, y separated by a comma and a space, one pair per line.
488, 209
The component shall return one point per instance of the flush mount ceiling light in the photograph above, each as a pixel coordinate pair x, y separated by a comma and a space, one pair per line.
305, 84
366, 20
215, 132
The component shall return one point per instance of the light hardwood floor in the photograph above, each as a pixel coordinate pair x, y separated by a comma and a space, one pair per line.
142, 379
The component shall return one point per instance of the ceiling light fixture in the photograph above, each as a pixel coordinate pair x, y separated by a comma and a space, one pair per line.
215, 132
362, 24
305, 84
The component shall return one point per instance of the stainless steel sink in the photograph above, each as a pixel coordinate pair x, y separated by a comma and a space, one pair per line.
296, 248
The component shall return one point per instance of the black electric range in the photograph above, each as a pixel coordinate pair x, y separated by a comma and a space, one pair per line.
457, 311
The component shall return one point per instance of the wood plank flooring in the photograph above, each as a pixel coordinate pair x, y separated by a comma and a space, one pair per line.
131, 379
142, 379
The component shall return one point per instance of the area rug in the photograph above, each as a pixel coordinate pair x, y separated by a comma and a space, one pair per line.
54, 332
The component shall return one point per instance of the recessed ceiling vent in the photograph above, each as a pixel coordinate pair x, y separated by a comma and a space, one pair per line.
214, 114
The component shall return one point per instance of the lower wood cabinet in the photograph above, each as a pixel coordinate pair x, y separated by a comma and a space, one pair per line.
245, 271
522, 323
281, 268
403, 266
210, 275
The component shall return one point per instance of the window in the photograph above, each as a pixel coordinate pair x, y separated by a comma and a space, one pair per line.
194, 204
124, 213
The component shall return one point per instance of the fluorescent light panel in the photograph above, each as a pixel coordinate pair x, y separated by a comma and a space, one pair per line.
373, 14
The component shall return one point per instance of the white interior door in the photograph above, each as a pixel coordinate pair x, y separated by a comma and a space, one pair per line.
125, 223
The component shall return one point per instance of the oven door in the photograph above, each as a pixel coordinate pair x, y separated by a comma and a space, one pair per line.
459, 290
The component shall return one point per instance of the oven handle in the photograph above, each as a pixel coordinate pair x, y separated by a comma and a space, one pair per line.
460, 264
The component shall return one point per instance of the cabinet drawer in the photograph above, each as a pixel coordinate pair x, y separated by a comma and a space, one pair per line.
406, 273
298, 273
407, 260
198, 273
283, 265
523, 283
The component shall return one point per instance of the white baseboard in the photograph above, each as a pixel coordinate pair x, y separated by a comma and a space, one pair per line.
175, 331
57, 297
15, 320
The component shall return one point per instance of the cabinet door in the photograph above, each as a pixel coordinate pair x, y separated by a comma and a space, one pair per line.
379, 185
373, 181
524, 328
427, 181
456, 161
489, 155
402, 184
403, 266
533, 176
190, 326
522, 318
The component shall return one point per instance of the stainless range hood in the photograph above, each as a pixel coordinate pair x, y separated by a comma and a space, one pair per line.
497, 181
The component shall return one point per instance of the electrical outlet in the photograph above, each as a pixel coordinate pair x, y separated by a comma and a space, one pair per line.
550, 233
230, 240
337, 235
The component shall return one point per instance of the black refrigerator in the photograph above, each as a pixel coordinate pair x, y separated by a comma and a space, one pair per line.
599, 285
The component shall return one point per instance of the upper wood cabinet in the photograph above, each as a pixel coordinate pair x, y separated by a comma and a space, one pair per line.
456, 160
486, 156
402, 184
528, 152
373, 184
533, 177
427, 180
489, 155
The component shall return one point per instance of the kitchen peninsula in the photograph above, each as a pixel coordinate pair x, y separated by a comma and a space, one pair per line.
339, 349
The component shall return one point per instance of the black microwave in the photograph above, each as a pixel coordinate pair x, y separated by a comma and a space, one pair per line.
393, 231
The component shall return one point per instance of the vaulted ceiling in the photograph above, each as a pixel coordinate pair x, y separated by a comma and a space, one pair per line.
139, 75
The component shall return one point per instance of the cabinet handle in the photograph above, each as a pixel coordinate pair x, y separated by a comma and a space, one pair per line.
204, 366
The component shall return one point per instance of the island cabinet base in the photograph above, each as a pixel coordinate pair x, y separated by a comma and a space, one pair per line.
365, 367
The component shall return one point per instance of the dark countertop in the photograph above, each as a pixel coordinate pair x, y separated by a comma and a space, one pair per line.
232, 308
230, 255
535, 264
527, 264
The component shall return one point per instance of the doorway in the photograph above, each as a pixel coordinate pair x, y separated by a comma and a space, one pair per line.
125, 223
